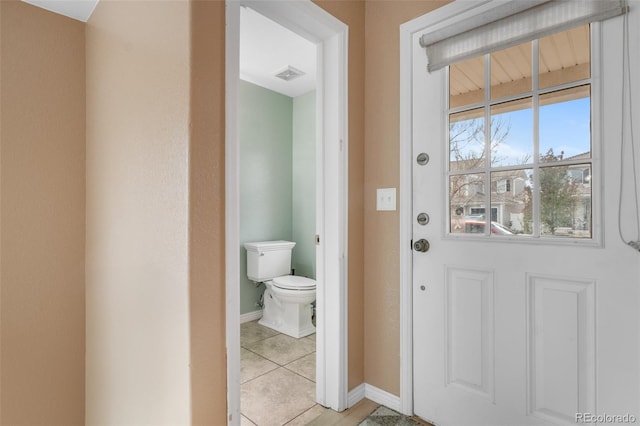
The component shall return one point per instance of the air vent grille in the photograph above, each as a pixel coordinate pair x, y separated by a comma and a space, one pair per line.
290, 73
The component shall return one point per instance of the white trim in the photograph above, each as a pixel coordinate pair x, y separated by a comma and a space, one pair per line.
597, 134
406, 220
375, 394
250, 316
232, 210
356, 395
310, 21
382, 397
332, 177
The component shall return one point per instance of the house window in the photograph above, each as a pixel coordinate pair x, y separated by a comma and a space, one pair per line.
520, 124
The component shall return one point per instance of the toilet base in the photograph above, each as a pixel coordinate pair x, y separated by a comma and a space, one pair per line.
292, 319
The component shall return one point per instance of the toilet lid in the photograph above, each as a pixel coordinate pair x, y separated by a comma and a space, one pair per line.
294, 282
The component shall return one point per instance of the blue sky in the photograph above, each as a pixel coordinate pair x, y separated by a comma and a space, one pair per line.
564, 127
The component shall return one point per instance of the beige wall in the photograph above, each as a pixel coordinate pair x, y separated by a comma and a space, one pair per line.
138, 104
42, 172
207, 215
155, 211
382, 170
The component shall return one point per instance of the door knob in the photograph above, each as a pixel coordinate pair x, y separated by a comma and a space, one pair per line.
421, 245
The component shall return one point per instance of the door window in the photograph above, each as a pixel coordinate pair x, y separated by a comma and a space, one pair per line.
520, 140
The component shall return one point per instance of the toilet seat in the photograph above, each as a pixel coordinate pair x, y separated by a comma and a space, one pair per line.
294, 282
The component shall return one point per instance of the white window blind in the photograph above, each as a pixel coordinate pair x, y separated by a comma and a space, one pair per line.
502, 24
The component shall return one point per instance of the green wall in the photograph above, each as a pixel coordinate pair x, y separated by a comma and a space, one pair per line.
277, 179
304, 184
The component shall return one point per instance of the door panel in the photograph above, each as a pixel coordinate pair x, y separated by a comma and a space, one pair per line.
469, 330
520, 333
561, 342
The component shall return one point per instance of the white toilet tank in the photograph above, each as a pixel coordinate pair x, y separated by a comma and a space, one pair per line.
268, 259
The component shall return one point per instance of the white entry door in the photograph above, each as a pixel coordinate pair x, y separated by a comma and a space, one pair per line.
516, 322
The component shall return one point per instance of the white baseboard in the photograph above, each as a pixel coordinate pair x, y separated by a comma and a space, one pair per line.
374, 394
250, 316
355, 395
382, 397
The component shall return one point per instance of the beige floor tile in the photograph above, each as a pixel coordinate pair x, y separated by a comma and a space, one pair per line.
351, 417
282, 349
305, 366
276, 397
246, 422
312, 338
251, 332
253, 365
308, 416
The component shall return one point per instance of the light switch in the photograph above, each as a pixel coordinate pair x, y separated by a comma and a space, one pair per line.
386, 199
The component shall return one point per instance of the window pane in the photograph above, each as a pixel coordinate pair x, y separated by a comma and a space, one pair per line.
565, 201
466, 82
521, 129
467, 203
564, 57
512, 133
565, 124
466, 140
512, 199
511, 71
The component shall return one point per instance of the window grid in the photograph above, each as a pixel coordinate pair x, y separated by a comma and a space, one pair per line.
535, 165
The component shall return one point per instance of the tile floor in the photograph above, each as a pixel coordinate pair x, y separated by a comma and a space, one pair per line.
278, 385
277, 377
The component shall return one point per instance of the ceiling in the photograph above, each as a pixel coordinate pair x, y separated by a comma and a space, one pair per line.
266, 48
563, 57
80, 10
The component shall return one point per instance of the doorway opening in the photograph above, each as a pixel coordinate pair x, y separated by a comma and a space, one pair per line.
277, 136
330, 38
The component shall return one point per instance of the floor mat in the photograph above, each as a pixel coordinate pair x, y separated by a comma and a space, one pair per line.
385, 416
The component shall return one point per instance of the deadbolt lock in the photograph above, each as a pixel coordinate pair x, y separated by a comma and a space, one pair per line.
423, 218
423, 158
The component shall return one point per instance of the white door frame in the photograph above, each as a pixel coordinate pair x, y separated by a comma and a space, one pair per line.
406, 220
331, 36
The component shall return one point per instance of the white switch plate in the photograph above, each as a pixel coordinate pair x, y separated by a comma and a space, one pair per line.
386, 199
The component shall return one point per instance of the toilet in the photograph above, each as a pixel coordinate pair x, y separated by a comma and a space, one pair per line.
287, 298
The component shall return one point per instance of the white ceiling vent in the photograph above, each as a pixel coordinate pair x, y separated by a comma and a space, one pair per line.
290, 73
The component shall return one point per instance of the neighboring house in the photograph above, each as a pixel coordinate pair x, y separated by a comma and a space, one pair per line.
468, 199
510, 199
580, 175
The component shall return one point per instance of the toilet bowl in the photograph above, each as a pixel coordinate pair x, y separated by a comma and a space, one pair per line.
288, 305
287, 301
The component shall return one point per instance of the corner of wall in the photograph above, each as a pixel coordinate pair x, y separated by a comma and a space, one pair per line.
207, 214
42, 234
